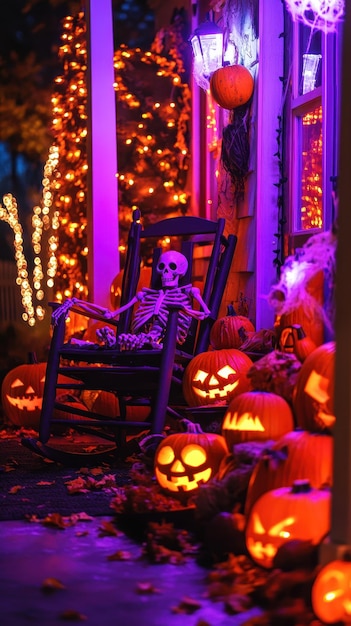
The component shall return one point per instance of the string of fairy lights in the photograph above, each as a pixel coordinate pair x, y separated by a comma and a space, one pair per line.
153, 138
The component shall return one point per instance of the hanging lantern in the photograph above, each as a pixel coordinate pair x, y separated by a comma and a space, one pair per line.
207, 45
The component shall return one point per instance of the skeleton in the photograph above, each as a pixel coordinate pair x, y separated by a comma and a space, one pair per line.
151, 317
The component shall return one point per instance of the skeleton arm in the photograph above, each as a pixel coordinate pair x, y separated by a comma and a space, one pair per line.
93, 309
195, 293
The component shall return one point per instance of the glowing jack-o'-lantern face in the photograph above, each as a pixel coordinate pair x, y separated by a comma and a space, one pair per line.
216, 377
331, 593
22, 394
256, 415
313, 397
286, 514
184, 461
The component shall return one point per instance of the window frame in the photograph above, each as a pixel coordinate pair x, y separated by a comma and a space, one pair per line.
328, 96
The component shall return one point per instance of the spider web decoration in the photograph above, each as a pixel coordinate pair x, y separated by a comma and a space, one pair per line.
320, 14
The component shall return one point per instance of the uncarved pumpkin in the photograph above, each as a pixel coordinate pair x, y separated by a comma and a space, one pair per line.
216, 376
231, 86
295, 456
313, 396
256, 416
107, 404
230, 331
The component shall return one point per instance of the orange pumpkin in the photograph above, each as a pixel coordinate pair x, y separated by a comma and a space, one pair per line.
286, 514
116, 287
313, 396
293, 340
256, 416
106, 403
295, 456
230, 331
22, 394
231, 86
331, 593
312, 325
184, 461
215, 377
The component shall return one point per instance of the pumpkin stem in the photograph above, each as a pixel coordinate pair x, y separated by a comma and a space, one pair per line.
301, 486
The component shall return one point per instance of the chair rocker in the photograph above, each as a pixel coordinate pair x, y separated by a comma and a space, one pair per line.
149, 371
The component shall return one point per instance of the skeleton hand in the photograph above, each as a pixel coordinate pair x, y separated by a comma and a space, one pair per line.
107, 336
129, 341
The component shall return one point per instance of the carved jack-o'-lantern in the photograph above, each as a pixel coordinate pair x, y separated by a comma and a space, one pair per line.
22, 394
216, 377
331, 593
184, 461
285, 514
293, 340
313, 397
256, 416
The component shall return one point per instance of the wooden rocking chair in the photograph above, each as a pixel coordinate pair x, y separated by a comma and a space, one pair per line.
150, 375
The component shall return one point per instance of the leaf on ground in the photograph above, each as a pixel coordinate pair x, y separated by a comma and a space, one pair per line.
146, 588
120, 555
52, 584
15, 489
107, 529
81, 517
187, 606
77, 485
72, 616
45, 482
56, 520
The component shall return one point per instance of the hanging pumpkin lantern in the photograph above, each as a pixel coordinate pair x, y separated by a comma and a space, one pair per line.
331, 593
256, 416
295, 456
186, 460
22, 394
313, 398
293, 340
286, 514
215, 377
231, 86
230, 331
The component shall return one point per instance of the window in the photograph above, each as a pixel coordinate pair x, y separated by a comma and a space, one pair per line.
311, 144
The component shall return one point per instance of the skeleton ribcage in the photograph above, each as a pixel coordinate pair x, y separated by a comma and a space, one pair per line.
153, 311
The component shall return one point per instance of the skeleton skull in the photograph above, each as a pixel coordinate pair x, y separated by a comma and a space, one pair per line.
171, 266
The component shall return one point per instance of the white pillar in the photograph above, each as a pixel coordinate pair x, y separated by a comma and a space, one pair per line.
340, 535
103, 238
271, 55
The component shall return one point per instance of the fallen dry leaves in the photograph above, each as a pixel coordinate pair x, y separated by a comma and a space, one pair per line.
52, 584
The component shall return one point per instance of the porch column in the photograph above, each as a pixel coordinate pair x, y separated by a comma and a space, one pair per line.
103, 237
340, 534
